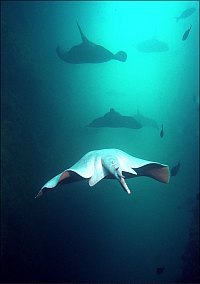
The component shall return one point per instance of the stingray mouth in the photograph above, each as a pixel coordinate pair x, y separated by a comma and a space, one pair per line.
116, 170
119, 173
128, 175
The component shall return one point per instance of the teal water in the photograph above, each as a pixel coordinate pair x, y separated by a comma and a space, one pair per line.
79, 234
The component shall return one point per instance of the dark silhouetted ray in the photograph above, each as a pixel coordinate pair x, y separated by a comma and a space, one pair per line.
145, 121
114, 119
89, 52
152, 45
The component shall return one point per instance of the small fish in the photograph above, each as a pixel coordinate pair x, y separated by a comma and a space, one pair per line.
186, 13
175, 169
186, 34
162, 132
160, 270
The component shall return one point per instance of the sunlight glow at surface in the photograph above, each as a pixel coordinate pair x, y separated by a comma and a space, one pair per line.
121, 25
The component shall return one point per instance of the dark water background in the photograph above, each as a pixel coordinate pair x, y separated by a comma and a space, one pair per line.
79, 234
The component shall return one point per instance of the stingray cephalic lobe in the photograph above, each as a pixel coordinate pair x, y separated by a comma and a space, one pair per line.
111, 164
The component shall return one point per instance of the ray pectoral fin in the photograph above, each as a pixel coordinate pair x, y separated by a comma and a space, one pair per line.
42, 192
50, 184
64, 177
156, 171
161, 174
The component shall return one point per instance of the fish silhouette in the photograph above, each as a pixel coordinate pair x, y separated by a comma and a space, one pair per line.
186, 13
160, 270
114, 119
162, 132
175, 169
89, 52
111, 164
186, 34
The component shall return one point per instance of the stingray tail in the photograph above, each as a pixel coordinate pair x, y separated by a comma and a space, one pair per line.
61, 54
83, 37
120, 56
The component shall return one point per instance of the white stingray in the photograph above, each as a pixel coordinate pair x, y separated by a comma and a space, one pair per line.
108, 163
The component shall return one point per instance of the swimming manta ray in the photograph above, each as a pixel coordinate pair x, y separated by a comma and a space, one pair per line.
89, 52
115, 120
111, 164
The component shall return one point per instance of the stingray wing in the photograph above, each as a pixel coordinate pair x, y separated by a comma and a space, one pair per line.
140, 167
110, 119
85, 166
88, 167
128, 162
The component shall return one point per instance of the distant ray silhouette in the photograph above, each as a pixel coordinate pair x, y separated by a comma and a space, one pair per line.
114, 119
89, 52
145, 121
152, 45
